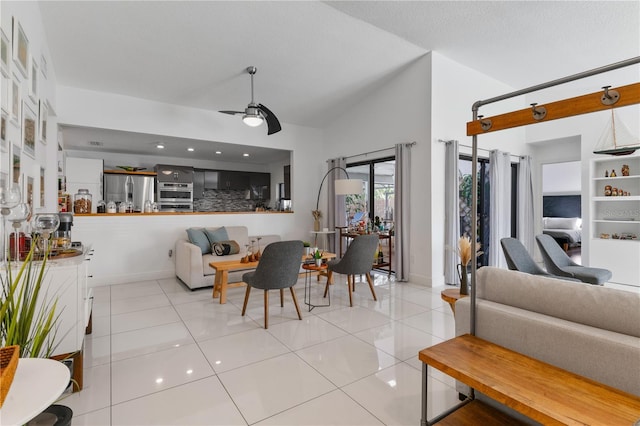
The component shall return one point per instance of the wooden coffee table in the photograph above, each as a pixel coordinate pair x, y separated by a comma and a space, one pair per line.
222, 268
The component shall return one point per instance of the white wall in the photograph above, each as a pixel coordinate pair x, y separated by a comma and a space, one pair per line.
561, 178
398, 112
28, 15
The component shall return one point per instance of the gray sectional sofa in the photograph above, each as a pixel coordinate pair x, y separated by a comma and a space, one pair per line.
589, 330
192, 265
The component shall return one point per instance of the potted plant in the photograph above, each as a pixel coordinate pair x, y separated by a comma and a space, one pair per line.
464, 251
24, 321
317, 256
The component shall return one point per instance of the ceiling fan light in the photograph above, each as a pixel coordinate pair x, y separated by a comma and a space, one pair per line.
252, 120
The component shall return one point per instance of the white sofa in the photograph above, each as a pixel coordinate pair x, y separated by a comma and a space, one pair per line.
192, 267
589, 330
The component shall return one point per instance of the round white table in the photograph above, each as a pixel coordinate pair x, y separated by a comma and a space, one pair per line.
38, 382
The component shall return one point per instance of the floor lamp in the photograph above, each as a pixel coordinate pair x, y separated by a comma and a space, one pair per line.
346, 186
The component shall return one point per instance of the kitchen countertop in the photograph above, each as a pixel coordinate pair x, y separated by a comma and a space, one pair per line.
180, 213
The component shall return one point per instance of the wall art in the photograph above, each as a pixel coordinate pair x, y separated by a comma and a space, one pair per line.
33, 86
5, 55
4, 142
29, 130
15, 163
28, 191
15, 101
20, 48
6, 94
42, 173
43, 115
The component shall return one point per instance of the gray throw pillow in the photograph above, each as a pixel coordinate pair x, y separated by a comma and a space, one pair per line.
217, 235
199, 238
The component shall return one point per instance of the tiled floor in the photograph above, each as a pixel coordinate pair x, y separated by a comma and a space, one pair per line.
161, 354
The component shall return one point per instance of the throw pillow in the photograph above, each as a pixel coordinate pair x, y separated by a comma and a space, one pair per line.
224, 248
199, 238
217, 235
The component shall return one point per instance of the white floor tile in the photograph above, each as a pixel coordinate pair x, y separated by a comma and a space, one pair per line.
394, 395
308, 332
346, 359
239, 349
143, 319
94, 418
433, 322
95, 393
149, 340
203, 402
208, 319
393, 307
133, 290
398, 339
269, 387
97, 351
355, 319
123, 306
143, 375
334, 408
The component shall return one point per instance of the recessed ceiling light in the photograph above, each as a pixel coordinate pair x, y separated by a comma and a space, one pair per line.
245, 155
190, 149
160, 146
218, 152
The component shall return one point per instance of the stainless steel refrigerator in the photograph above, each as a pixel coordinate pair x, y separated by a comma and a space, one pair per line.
123, 188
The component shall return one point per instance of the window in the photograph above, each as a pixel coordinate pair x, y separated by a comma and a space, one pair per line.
484, 211
378, 197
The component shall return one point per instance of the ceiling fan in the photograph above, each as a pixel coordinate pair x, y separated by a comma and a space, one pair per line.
254, 114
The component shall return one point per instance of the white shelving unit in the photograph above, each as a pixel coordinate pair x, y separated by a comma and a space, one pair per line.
615, 217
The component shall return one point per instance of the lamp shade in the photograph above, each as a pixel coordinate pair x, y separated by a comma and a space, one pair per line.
348, 186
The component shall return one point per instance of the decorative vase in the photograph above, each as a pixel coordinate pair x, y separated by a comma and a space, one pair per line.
464, 279
318, 262
316, 225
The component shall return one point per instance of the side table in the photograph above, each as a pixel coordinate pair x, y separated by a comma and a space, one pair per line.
310, 268
451, 296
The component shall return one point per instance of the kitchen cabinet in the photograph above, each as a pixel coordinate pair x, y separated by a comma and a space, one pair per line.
211, 178
233, 180
260, 184
198, 184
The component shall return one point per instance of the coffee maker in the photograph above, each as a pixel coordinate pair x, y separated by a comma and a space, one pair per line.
62, 236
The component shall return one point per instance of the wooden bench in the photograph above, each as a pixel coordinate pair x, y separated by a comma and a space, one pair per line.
540, 391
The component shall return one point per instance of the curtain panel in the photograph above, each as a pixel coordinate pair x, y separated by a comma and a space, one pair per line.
452, 211
500, 205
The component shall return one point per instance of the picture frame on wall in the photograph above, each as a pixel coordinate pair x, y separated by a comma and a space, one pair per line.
42, 180
43, 66
15, 163
15, 101
20, 48
6, 94
4, 122
28, 191
5, 55
29, 130
33, 84
43, 116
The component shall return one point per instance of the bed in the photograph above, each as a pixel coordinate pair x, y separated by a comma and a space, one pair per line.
567, 231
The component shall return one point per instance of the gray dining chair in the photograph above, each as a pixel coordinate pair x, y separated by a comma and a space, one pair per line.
357, 260
277, 269
518, 259
557, 262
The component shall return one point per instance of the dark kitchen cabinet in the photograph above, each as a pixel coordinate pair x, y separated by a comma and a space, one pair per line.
233, 180
260, 186
198, 184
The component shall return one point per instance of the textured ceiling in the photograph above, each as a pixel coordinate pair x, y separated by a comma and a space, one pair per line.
316, 59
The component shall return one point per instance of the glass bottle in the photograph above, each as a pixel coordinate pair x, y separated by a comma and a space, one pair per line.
82, 202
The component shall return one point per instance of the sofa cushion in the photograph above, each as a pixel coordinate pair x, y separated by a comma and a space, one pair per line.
570, 301
225, 248
216, 235
198, 237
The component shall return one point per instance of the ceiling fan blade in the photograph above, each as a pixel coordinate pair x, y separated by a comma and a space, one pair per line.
232, 112
273, 125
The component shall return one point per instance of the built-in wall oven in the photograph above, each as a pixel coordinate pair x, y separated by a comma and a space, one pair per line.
174, 188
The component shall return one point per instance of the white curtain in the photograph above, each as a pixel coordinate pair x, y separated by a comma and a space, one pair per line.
500, 205
336, 210
401, 211
526, 229
452, 212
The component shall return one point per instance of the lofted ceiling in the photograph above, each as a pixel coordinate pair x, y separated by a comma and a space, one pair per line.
315, 59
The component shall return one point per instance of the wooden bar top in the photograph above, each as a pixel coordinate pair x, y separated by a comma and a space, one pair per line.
540, 391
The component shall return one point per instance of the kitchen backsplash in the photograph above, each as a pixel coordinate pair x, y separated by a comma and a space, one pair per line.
216, 200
